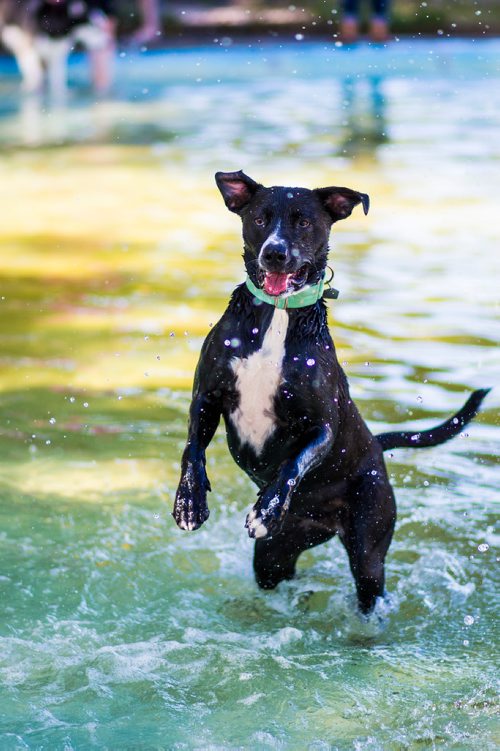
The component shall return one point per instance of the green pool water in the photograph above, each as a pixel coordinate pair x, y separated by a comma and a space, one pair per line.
119, 631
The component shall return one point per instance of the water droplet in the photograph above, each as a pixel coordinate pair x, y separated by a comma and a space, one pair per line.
48, 442
146, 338
72, 399
469, 620
227, 342
172, 333
374, 472
483, 547
290, 482
85, 404
52, 420
299, 37
310, 362
255, 330
419, 399
158, 357
367, 364
235, 342
466, 642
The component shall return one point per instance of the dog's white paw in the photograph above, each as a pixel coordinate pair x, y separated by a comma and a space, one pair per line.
266, 517
256, 528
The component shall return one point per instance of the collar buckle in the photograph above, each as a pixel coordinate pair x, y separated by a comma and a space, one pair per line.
330, 292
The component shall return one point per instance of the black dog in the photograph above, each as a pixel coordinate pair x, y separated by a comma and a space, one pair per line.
269, 368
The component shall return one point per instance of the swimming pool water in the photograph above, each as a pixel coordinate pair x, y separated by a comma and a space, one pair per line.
118, 631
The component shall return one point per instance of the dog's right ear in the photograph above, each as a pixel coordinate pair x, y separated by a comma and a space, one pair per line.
237, 189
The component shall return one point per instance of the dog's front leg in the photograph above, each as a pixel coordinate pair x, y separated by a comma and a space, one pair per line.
190, 507
267, 516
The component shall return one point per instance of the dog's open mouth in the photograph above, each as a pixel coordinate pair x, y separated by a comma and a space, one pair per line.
275, 283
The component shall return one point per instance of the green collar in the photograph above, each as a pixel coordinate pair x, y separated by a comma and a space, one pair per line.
300, 299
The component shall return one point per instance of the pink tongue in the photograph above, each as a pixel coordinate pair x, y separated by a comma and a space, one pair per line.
275, 284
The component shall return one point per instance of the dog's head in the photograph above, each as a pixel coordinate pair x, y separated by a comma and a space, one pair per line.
285, 230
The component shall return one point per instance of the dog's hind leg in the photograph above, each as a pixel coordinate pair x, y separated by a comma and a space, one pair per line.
275, 557
368, 532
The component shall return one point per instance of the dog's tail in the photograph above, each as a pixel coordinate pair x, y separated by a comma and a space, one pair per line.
439, 434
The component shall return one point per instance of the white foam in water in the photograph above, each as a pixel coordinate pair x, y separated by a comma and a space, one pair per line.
367, 744
440, 580
262, 739
249, 700
374, 624
282, 638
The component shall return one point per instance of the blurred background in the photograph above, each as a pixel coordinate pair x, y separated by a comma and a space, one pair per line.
117, 255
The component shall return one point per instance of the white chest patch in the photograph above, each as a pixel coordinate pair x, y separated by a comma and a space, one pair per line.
257, 380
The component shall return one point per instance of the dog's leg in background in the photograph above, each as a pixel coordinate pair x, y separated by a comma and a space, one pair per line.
368, 532
190, 508
21, 45
268, 514
54, 53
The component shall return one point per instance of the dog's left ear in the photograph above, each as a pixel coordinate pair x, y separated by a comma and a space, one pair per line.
339, 202
237, 189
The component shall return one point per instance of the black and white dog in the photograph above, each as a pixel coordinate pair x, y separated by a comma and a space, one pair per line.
269, 368
59, 27
42, 33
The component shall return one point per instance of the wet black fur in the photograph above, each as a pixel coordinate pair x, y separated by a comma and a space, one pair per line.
321, 463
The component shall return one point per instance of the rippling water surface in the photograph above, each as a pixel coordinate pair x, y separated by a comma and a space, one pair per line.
118, 631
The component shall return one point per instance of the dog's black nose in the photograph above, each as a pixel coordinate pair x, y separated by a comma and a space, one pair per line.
274, 256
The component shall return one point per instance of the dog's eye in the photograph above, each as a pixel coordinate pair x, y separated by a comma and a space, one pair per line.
259, 221
304, 223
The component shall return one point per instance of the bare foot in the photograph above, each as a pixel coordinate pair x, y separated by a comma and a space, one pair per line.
349, 30
379, 31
